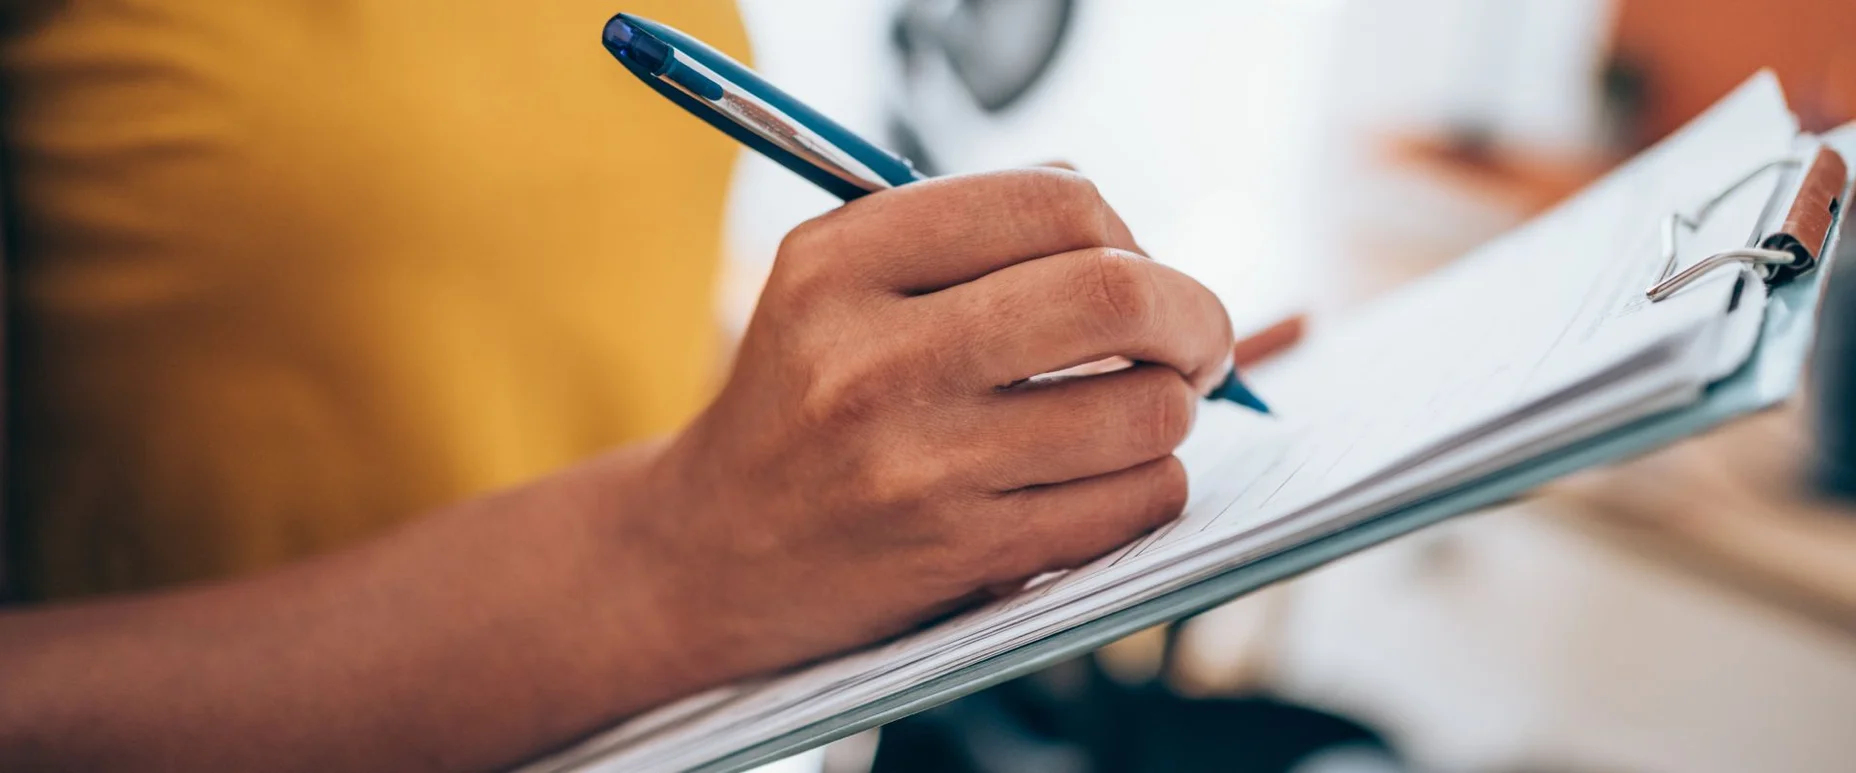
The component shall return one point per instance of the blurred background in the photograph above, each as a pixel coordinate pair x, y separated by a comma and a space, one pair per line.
1695, 611
281, 275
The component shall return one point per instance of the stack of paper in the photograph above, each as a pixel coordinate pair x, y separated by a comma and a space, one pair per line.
1540, 339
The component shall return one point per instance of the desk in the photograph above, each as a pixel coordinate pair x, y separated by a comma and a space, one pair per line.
1728, 507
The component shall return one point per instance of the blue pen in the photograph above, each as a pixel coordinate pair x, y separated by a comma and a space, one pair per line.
730, 97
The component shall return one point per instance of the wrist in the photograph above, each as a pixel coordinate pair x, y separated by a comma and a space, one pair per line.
663, 640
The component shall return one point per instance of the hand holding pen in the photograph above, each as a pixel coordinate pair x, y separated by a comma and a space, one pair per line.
862, 463
881, 453
735, 100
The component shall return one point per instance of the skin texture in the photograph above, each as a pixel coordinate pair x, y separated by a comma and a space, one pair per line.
874, 461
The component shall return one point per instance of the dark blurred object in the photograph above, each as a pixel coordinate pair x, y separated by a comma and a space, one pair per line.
1624, 93
1834, 375
1073, 719
998, 49
904, 140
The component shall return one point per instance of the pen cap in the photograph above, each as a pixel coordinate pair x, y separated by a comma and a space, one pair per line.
649, 49
630, 44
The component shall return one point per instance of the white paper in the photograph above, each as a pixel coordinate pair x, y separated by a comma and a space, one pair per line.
1541, 338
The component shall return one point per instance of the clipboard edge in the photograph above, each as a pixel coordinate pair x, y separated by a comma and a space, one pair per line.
1771, 375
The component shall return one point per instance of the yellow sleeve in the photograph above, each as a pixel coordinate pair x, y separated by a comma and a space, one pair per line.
290, 271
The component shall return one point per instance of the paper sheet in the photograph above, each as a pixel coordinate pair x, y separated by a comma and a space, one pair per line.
1532, 341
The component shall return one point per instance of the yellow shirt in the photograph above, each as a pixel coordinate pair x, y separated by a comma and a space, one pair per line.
285, 272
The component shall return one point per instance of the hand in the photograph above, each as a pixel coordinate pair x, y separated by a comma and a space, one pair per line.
867, 467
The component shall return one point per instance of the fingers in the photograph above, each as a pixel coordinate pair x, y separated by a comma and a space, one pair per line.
1082, 428
938, 233
1062, 527
1049, 314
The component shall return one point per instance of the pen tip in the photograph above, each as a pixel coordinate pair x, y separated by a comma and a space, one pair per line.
1233, 390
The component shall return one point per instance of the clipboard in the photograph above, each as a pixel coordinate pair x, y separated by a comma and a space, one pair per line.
1813, 230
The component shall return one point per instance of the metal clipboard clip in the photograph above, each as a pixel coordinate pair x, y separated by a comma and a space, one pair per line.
1791, 250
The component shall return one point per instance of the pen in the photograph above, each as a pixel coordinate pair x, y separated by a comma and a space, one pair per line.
731, 98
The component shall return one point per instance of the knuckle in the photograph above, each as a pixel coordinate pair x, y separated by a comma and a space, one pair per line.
903, 485
808, 237
1166, 414
1067, 183
1170, 489
1074, 205
800, 240
836, 398
803, 267
1116, 292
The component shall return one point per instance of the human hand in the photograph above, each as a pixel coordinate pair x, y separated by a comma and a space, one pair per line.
867, 467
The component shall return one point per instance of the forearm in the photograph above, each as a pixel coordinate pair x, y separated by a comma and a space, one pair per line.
467, 640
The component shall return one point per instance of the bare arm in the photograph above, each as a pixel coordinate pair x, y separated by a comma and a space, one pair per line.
863, 470
468, 640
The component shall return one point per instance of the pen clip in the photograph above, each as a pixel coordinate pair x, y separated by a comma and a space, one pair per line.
774, 125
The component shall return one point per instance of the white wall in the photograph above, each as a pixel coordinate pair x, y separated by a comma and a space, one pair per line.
1229, 134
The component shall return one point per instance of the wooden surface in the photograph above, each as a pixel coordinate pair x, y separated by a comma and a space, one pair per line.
1692, 51
1733, 506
